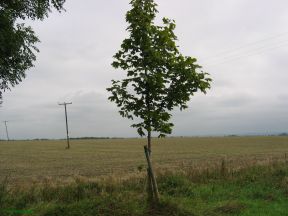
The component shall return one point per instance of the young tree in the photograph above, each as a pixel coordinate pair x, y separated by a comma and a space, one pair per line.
159, 77
17, 42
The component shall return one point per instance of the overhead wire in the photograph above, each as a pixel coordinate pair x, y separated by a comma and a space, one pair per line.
246, 50
260, 50
241, 47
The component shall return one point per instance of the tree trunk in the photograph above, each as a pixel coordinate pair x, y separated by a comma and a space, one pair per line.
149, 142
149, 186
149, 179
152, 188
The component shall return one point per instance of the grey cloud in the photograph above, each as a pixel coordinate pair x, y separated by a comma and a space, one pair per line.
234, 101
248, 93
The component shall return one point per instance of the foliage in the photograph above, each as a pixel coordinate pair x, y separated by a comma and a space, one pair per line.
159, 77
17, 41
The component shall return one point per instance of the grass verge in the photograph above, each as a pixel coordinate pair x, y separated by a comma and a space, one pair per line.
254, 190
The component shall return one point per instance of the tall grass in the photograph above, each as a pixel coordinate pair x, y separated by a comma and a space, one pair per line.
224, 188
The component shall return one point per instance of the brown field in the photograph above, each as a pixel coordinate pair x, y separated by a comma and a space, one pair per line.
35, 160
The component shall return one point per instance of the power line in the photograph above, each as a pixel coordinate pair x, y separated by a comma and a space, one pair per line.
251, 53
233, 50
263, 48
249, 49
67, 132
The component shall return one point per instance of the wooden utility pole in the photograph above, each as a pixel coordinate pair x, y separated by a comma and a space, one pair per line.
67, 132
5, 122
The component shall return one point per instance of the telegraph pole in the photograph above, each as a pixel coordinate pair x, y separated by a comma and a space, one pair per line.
67, 132
5, 122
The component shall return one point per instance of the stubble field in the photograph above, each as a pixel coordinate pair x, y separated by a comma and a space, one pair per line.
34, 160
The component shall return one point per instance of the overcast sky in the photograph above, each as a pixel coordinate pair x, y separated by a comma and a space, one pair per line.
243, 44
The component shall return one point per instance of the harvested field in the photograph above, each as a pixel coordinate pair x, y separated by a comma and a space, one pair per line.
35, 160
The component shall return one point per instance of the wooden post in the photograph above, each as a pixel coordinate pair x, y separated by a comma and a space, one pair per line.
5, 122
67, 132
151, 176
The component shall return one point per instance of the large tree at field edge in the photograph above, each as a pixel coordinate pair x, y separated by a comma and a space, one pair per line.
17, 41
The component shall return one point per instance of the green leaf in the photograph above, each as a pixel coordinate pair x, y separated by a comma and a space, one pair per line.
159, 77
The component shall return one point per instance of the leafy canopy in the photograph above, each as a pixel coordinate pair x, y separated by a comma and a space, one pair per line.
159, 77
17, 42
